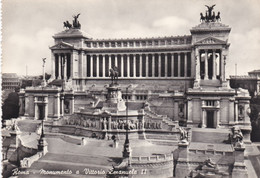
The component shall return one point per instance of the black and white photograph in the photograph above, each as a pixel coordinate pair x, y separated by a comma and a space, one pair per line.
130, 88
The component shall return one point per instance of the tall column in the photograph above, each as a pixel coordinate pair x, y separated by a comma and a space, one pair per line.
56, 106
197, 63
134, 65
81, 63
166, 65
185, 64
206, 65
147, 65
122, 65
159, 64
179, 64
53, 61
224, 67
218, 118
214, 65
153, 65
71, 66
109, 62
236, 111
65, 67
97, 60
59, 66
72, 105
104, 66
116, 62
203, 118
128, 65
141, 65
109, 123
35, 108
172, 59
91, 65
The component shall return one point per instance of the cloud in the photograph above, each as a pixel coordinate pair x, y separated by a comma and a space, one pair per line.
244, 51
22, 50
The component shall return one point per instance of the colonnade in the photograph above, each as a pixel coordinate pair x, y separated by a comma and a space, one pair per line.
62, 66
139, 65
210, 64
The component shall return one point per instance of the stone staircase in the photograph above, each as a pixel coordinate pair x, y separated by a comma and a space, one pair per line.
207, 135
169, 124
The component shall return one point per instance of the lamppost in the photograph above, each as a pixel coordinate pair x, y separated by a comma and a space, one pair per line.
62, 87
127, 149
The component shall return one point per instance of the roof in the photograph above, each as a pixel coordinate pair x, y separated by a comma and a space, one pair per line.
72, 33
9, 75
255, 71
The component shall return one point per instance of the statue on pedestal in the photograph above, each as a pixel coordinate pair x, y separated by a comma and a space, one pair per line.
114, 74
184, 135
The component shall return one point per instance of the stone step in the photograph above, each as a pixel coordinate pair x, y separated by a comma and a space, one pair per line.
164, 142
206, 135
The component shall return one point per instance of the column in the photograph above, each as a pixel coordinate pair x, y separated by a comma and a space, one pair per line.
104, 66
128, 65
185, 64
72, 105
122, 65
147, 65
141, 65
45, 111
236, 111
62, 104
218, 118
53, 60
91, 65
197, 63
84, 67
179, 64
153, 65
97, 59
172, 59
109, 123
159, 64
116, 63
65, 67
206, 65
224, 67
71, 66
109, 62
56, 106
35, 108
166, 65
134, 65
214, 65
203, 125
81, 63
59, 66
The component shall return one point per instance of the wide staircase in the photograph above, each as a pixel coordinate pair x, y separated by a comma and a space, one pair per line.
209, 135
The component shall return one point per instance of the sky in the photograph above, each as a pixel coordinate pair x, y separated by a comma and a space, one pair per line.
28, 26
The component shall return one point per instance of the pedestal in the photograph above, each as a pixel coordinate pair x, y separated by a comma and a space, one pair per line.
182, 167
239, 169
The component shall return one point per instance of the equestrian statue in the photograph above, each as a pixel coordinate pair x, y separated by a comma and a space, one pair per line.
114, 74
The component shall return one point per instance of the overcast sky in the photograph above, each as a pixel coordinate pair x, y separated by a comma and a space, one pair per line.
28, 26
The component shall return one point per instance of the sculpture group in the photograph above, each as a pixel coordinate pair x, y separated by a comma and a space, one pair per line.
210, 15
75, 23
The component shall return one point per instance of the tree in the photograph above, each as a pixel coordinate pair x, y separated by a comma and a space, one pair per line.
10, 108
